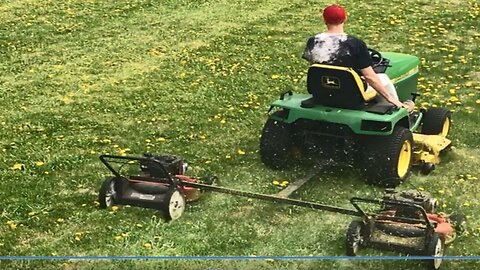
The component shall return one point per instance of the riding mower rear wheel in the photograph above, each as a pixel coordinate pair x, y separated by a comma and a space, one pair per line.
387, 160
276, 143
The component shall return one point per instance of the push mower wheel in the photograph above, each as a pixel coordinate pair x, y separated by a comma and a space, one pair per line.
354, 237
276, 143
174, 204
107, 193
436, 248
387, 159
436, 121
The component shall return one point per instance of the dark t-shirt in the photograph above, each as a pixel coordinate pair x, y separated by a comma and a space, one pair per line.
337, 49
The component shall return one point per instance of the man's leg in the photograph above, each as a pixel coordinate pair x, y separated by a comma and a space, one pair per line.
387, 83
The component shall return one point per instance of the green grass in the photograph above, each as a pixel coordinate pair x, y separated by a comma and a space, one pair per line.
83, 78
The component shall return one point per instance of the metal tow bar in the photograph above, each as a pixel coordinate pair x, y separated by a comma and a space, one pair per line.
272, 198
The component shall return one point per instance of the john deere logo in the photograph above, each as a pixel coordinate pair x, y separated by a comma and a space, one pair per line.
330, 82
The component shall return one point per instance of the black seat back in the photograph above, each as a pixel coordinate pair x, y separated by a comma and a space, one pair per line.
336, 86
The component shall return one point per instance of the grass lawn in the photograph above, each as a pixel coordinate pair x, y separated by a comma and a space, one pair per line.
195, 78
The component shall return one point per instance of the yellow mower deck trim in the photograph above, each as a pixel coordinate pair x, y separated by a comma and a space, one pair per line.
428, 147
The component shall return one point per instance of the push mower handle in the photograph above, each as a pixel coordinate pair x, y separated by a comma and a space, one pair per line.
354, 201
108, 159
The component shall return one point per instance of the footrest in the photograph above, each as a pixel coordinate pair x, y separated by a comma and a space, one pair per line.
381, 108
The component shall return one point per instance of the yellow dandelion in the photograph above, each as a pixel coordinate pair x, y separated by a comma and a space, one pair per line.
60, 220
78, 236
147, 245
275, 76
67, 100
118, 237
276, 183
12, 224
160, 139
241, 152
18, 167
39, 163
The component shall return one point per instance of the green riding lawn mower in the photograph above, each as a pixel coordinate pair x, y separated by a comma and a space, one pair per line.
342, 120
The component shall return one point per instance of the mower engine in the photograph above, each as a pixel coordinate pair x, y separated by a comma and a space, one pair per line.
422, 199
174, 165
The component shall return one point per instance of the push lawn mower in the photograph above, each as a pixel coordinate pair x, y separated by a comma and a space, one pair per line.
342, 121
152, 183
404, 221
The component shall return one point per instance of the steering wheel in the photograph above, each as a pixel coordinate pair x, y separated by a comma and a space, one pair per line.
376, 56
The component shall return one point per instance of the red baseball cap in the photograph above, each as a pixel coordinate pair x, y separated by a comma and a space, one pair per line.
334, 14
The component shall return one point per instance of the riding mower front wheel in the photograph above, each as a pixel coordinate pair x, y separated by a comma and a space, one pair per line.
387, 160
276, 143
436, 121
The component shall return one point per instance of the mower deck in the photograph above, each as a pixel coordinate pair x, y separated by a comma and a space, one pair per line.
428, 148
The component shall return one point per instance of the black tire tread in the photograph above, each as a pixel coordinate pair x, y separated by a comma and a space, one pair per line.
276, 144
380, 158
431, 249
103, 191
433, 120
353, 228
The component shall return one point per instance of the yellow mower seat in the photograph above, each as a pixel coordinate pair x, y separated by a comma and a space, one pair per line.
337, 86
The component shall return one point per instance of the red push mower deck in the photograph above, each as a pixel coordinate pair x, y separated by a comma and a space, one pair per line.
401, 221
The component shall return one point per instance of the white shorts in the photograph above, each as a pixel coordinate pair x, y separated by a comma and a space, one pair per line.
387, 83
